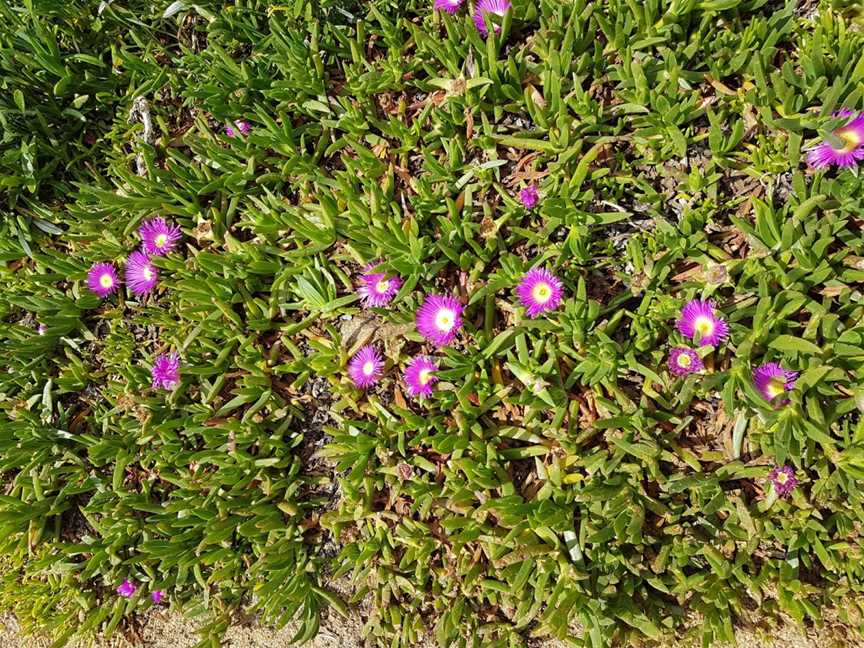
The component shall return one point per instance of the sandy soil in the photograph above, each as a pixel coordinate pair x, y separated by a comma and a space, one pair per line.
165, 629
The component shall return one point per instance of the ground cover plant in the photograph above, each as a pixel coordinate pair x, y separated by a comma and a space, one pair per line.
524, 321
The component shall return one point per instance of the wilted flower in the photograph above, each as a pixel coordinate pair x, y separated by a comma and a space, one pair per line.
683, 361
41, 329
439, 319
772, 380
126, 588
784, 480
377, 289
102, 279
166, 371
529, 197
539, 291
699, 320
158, 236
494, 7
420, 376
157, 596
851, 140
450, 6
141, 276
241, 125
365, 368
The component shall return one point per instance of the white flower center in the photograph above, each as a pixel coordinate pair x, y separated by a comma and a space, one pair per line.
161, 240
106, 281
704, 325
444, 319
775, 387
425, 376
542, 292
382, 286
368, 368
782, 478
684, 360
148, 274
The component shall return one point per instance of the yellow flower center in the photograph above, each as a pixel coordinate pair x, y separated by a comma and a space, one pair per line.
425, 376
148, 274
684, 360
106, 281
368, 368
851, 138
161, 240
782, 478
383, 286
444, 319
704, 325
542, 292
775, 387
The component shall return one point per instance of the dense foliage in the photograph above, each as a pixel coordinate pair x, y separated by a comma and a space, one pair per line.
560, 480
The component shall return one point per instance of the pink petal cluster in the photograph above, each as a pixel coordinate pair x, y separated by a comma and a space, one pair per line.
772, 380
141, 275
102, 279
158, 236
852, 137
529, 197
127, 589
683, 361
494, 7
377, 289
784, 480
539, 291
420, 376
439, 319
366, 367
242, 126
166, 371
700, 322
450, 6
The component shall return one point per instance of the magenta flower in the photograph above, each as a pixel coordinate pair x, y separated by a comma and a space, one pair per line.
158, 236
420, 376
784, 480
772, 380
102, 279
494, 7
376, 288
698, 321
683, 361
439, 319
141, 276
529, 197
539, 291
157, 596
41, 329
166, 371
241, 125
366, 367
852, 138
127, 589
450, 6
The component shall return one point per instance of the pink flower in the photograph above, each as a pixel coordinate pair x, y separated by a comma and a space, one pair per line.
539, 291
772, 380
156, 596
494, 7
158, 236
126, 589
366, 367
851, 139
439, 319
699, 321
784, 480
377, 289
102, 279
420, 376
529, 197
450, 6
683, 361
141, 275
242, 125
166, 371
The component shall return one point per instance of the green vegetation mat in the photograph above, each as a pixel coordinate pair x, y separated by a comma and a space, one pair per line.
562, 479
